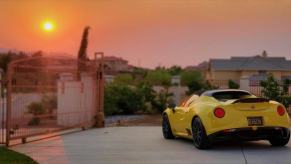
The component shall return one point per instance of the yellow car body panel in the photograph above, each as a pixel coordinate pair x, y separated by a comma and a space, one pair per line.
236, 114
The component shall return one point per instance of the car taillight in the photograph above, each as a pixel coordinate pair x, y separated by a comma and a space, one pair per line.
281, 110
219, 112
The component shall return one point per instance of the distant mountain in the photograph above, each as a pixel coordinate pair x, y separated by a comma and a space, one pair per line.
5, 50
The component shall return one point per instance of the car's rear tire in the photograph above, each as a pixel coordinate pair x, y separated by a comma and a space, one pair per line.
167, 131
280, 140
200, 139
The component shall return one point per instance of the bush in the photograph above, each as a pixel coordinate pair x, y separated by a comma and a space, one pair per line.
161, 101
34, 121
232, 84
36, 109
49, 103
123, 79
122, 99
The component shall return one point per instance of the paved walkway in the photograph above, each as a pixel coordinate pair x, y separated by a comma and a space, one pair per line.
145, 145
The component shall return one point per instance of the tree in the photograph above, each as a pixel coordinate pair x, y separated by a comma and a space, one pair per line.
4, 60
158, 77
163, 78
158, 101
271, 88
272, 91
175, 70
146, 90
82, 54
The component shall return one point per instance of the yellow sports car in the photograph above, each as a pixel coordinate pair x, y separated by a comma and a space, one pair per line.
219, 115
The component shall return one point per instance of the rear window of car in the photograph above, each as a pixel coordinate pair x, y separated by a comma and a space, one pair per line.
228, 95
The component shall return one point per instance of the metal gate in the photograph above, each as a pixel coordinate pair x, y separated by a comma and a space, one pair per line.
48, 94
2, 109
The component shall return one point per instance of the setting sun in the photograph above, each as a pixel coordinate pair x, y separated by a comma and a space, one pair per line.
48, 26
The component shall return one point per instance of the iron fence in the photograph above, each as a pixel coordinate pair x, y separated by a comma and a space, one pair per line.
49, 94
2, 112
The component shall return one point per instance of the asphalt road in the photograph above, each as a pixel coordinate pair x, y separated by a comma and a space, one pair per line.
145, 145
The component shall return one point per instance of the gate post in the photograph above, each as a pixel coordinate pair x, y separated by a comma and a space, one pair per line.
99, 91
9, 103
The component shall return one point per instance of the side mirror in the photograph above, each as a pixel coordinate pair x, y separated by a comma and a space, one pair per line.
172, 106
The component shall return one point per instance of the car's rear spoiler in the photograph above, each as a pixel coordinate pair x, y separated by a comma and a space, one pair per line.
251, 100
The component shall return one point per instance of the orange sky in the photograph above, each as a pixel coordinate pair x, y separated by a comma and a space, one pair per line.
151, 32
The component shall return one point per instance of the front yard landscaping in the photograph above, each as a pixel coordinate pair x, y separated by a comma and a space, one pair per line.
11, 157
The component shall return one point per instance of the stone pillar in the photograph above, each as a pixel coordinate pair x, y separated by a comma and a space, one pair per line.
244, 83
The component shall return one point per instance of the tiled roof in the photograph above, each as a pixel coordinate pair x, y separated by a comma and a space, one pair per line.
251, 63
113, 58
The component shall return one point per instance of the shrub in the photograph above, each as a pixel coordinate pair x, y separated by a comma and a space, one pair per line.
123, 79
122, 99
36, 109
49, 103
232, 84
161, 101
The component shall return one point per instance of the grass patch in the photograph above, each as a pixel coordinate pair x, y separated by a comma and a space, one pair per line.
11, 157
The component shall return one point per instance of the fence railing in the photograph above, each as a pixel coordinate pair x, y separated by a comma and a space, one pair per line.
46, 95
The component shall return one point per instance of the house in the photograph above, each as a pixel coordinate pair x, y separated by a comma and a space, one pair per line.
254, 68
176, 80
113, 65
200, 67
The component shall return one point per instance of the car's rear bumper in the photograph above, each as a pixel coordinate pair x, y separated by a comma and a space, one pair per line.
249, 134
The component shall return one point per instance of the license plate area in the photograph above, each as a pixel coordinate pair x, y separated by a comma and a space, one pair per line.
255, 121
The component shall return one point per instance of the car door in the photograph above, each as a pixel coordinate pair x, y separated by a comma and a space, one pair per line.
184, 117
179, 119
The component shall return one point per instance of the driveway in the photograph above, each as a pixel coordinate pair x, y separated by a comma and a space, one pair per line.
145, 145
